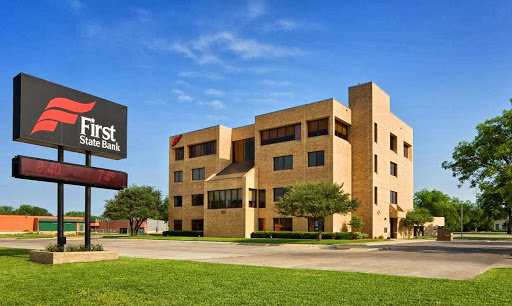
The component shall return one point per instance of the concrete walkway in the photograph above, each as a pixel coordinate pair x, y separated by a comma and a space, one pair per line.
423, 258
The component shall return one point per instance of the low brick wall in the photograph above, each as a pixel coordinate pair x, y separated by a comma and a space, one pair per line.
55, 258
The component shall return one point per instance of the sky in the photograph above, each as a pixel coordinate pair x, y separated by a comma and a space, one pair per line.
184, 65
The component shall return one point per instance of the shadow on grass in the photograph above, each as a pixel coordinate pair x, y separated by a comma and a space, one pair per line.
8, 252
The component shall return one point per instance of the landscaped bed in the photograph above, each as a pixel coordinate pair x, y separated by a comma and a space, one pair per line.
131, 281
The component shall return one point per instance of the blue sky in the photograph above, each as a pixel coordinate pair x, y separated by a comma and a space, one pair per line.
185, 65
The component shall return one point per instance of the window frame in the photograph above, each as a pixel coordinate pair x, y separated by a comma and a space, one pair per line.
342, 127
175, 223
393, 197
315, 161
175, 201
316, 124
202, 149
283, 163
198, 177
181, 155
271, 136
195, 196
180, 176
393, 169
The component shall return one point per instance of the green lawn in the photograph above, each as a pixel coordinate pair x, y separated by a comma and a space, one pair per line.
482, 238
130, 281
27, 236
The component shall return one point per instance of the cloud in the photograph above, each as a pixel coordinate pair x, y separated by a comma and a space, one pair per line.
276, 83
75, 5
214, 92
255, 8
215, 104
156, 102
201, 74
290, 25
182, 83
181, 95
143, 15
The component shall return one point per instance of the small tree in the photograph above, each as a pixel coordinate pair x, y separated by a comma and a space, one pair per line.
163, 209
317, 201
419, 217
29, 210
356, 222
135, 203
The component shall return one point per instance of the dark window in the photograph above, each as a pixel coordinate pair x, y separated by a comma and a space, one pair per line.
392, 142
198, 174
253, 198
318, 127
198, 199
283, 224
179, 153
243, 150
375, 193
394, 197
375, 163
178, 176
385, 230
393, 169
202, 149
261, 198
407, 150
230, 198
314, 225
315, 158
286, 133
341, 129
283, 162
178, 225
279, 193
261, 224
375, 132
198, 225
178, 201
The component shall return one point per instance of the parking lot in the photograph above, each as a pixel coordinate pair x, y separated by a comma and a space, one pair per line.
452, 260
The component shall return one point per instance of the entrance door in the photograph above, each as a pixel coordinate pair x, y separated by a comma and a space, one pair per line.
393, 224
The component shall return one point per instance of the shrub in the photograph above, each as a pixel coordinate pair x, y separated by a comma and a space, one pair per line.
310, 235
73, 248
183, 233
54, 248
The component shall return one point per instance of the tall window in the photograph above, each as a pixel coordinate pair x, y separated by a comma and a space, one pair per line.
178, 201
318, 127
229, 198
285, 133
315, 159
393, 169
253, 198
283, 224
341, 129
198, 225
261, 224
283, 162
177, 225
407, 150
262, 198
198, 174
375, 193
279, 193
243, 150
198, 199
178, 176
392, 142
179, 153
375, 163
393, 197
375, 132
202, 149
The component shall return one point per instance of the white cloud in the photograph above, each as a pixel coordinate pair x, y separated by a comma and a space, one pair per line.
276, 83
215, 104
75, 5
201, 74
289, 25
214, 92
255, 8
143, 15
181, 95
182, 83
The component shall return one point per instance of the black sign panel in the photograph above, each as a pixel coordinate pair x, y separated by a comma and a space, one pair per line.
52, 115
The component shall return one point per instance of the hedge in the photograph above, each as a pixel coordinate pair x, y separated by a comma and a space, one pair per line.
310, 235
183, 233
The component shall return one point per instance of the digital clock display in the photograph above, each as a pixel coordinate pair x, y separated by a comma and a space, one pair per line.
53, 171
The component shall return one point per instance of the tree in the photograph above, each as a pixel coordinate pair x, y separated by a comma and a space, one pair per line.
316, 201
163, 209
7, 210
356, 222
486, 162
28, 210
82, 214
135, 203
439, 204
418, 216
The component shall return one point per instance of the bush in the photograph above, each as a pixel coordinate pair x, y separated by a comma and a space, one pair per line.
310, 235
54, 248
73, 248
183, 233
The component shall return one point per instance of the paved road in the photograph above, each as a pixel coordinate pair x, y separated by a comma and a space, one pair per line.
451, 260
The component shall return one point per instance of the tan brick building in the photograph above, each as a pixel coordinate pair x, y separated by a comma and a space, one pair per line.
225, 181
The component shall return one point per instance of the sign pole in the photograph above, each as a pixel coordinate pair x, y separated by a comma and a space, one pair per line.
88, 206
61, 240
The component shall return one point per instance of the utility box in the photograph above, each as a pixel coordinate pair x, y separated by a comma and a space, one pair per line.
444, 235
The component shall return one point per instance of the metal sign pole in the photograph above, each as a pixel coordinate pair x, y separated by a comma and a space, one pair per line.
88, 206
61, 240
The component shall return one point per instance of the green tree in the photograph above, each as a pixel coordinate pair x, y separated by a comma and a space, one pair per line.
29, 210
418, 216
82, 214
163, 209
486, 162
439, 204
7, 210
356, 222
135, 203
316, 201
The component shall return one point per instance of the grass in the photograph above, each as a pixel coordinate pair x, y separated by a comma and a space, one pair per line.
244, 240
483, 233
482, 238
130, 281
27, 236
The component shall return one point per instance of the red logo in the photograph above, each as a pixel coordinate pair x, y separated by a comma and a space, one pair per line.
53, 115
175, 140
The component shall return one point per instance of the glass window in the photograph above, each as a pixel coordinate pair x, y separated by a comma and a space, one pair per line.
179, 153
407, 150
281, 134
375, 132
229, 198
318, 127
283, 162
392, 142
394, 197
261, 224
315, 158
202, 149
253, 195
198, 174
177, 225
375, 167
243, 150
283, 224
198, 199
341, 129
178, 201
178, 176
262, 198
279, 193
198, 225
375, 193
393, 169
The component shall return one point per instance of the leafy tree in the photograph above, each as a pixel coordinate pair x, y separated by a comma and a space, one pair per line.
163, 209
28, 210
439, 204
486, 162
82, 214
356, 222
316, 201
418, 216
135, 203
7, 210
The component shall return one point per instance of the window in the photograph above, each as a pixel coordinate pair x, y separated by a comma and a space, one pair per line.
283, 224
285, 133
198, 225
253, 194
318, 127
198, 174
316, 159
243, 150
375, 192
375, 163
198, 199
262, 198
178, 176
314, 224
393, 169
261, 224
229, 198
341, 130
279, 193
385, 230
283, 162
179, 153
202, 149
392, 142
177, 225
178, 201
375, 132
407, 150
394, 197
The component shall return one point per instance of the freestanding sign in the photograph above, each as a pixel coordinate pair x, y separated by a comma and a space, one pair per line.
51, 115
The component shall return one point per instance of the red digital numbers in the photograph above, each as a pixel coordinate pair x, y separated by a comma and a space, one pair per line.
48, 168
105, 176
